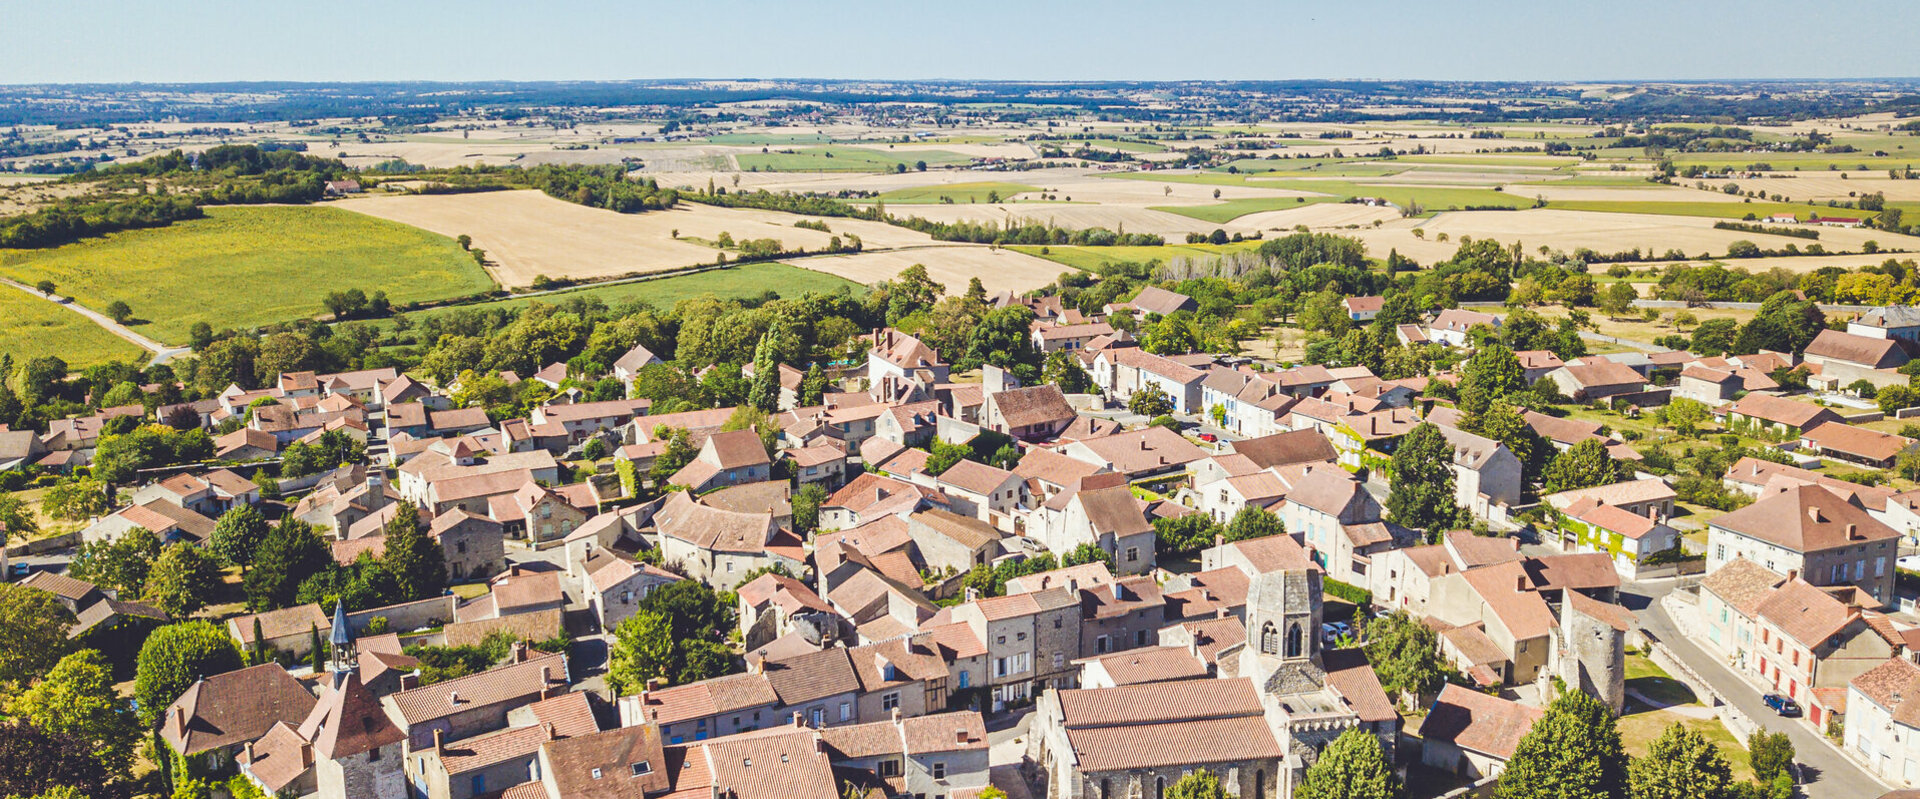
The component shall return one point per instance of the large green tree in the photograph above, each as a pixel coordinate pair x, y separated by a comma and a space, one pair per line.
1572, 752
1489, 376
1354, 766
173, 658
1422, 480
33, 634
1252, 522
77, 698
289, 555
412, 557
238, 534
1681, 764
1405, 654
121, 563
676, 633
49, 765
184, 579
1583, 465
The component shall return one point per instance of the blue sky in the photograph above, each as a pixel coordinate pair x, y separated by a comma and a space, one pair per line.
57, 41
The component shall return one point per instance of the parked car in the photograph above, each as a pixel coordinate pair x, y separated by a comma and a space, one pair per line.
1910, 563
1209, 437
1781, 705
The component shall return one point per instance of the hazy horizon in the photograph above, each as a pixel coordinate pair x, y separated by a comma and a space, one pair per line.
591, 40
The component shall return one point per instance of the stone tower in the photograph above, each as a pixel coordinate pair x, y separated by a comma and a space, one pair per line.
1283, 623
1593, 648
357, 749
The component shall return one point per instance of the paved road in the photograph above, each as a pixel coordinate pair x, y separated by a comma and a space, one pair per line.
1825, 772
161, 352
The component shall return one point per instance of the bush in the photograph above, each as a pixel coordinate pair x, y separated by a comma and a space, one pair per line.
1351, 593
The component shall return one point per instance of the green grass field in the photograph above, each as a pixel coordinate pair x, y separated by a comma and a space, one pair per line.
1230, 210
748, 280
35, 327
958, 192
242, 267
843, 159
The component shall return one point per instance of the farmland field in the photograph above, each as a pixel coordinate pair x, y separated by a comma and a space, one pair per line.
843, 159
746, 280
1234, 209
36, 327
1094, 259
530, 234
248, 266
957, 192
950, 265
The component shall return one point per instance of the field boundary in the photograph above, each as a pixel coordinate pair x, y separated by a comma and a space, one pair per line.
161, 352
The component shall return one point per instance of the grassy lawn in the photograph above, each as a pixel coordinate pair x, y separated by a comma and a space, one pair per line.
1230, 210
49, 526
1095, 259
1641, 724
956, 192
243, 267
35, 327
843, 159
748, 280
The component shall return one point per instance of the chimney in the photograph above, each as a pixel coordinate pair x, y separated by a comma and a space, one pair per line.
1793, 574
247, 748
546, 675
439, 739
410, 680
548, 727
306, 751
798, 721
1515, 542
1813, 515
1520, 584
513, 570
896, 715
453, 697
819, 744
179, 718
519, 652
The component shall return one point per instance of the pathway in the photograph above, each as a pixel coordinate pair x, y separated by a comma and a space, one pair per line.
161, 352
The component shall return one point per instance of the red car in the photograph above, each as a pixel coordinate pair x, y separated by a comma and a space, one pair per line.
1209, 437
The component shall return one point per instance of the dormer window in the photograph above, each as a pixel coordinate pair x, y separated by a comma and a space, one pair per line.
642, 768
596, 774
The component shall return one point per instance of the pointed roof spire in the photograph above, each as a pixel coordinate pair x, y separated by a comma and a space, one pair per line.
342, 634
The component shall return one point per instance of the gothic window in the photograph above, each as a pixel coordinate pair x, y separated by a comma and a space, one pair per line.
1293, 641
1269, 640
